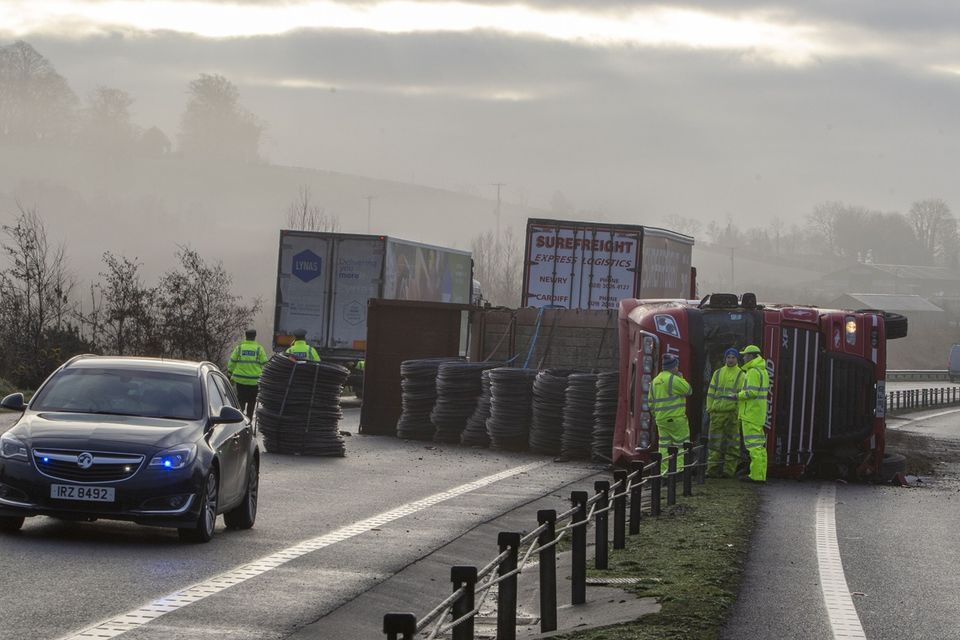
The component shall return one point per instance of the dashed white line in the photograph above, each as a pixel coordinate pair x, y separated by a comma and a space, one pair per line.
143, 615
844, 620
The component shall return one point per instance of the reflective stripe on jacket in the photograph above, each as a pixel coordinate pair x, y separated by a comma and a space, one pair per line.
752, 399
246, 363
725, 382
668, 396
302, 351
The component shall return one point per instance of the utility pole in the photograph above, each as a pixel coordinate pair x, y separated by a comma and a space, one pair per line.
498, 185
369, 200
732, 286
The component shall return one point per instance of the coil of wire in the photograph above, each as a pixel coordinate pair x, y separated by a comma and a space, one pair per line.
579, 400
605, 415
475, 432
546, 426
299, 407
418, 384
458, 390
511, 408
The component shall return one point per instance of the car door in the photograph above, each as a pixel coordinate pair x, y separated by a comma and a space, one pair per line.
243, 436
222, 440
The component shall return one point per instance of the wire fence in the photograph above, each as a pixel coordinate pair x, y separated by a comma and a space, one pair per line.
473, 586
916, 399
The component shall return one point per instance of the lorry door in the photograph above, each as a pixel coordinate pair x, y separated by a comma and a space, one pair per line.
796, 383
303, 285
357, 268
849, 399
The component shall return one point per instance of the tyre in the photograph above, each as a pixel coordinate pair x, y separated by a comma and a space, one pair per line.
893, 463
10, 524
245, 514
896, 325
206, 524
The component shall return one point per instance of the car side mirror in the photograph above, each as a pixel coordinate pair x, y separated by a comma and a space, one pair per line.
228, 415
14, 402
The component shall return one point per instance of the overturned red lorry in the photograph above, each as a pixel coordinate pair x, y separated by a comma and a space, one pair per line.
826, 413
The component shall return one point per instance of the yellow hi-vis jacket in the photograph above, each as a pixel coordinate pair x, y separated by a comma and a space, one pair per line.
302, 351
246, 363
668, 396
725, 384
752, 398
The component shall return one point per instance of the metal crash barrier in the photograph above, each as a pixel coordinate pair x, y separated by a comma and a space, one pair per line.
919, 399
472, 586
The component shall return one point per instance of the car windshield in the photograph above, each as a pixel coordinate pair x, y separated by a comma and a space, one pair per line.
128, 392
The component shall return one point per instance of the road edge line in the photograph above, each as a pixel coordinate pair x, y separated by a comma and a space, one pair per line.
844, 621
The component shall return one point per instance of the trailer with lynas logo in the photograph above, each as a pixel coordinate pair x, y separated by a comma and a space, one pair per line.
324, 281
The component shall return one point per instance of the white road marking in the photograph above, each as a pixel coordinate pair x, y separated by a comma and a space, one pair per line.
920, 418
138, 617
844, 620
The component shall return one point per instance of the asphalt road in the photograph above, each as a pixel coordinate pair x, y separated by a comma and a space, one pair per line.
898, 546
58, 578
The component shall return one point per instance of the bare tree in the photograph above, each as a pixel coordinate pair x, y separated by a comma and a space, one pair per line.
935, 228
498, 266
200, 314
682, 224
126, 310
106, 122
215, 124
36, 104
303, 214
823, 221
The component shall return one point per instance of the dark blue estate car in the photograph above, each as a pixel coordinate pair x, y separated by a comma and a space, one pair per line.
157, 442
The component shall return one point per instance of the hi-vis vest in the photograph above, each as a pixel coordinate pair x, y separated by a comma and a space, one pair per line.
752, 399
302, 351
246, 363
668, 396
725, 382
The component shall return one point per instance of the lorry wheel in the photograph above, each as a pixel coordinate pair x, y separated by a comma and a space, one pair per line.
893, 463
896, 325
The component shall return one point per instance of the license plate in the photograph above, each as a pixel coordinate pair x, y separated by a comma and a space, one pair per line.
89, 494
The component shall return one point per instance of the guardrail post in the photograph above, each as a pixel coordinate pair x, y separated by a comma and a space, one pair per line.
578, 552
507, 590
636, 497
656, 485
702, 461
925, 396
466, 577
620, 510
400, 626
602, 524
548, 570
673, 452
687, 469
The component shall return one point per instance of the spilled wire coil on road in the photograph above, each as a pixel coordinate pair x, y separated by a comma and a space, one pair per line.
546, 426
475, 432
605, 415
511, 408
579, 400
458, 390
418, 384
299, 410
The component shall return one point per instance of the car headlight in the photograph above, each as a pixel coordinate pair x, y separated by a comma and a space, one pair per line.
175, 457
11, 447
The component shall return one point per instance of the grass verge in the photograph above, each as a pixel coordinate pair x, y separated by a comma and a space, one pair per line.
691, 559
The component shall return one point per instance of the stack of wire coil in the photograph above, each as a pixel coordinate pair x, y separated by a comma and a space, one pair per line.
475, 433
511, 405
546, 427
605, 415
458, 390
299, 410
579, 400
418, 384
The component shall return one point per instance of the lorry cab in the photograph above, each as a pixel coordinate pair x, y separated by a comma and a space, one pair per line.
827, 375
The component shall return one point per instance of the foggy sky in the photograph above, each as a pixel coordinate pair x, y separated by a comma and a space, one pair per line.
869, 117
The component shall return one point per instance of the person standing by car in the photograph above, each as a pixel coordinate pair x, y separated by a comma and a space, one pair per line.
300, 349
245, 366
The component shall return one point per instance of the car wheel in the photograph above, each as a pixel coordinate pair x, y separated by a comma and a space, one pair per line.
10, 524
207, 520
245, 514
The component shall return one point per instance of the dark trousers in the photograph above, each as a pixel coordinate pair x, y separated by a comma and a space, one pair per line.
247, 395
